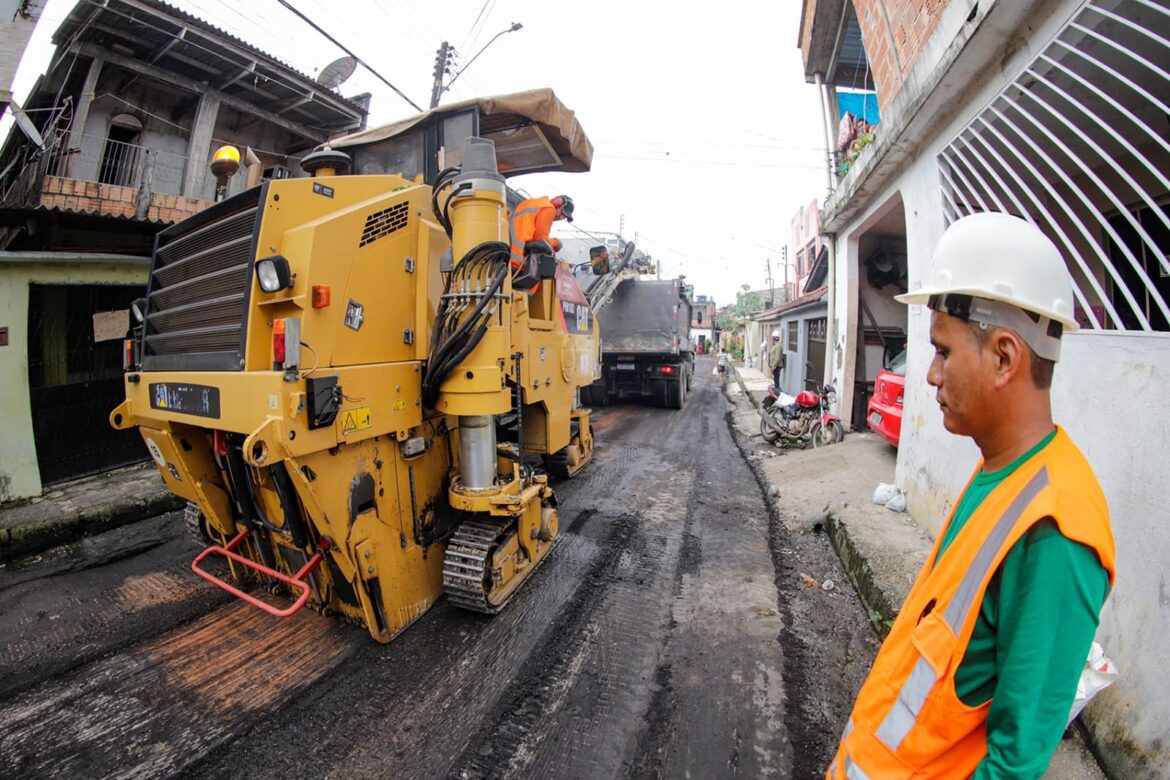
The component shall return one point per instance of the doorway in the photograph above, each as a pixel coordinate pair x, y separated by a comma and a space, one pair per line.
815, 350
119, 164
75, 339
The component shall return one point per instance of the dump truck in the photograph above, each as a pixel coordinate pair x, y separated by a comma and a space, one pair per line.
646, 350
358, 396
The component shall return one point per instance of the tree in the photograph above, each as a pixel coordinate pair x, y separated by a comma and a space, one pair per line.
745, 303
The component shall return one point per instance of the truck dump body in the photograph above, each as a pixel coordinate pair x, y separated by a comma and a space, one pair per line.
647, 317
645, 344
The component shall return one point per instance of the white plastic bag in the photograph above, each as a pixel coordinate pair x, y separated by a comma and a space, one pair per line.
884, 493
897, 503
1099, 673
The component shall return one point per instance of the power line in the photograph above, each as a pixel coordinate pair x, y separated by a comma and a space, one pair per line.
341, 46
470, 30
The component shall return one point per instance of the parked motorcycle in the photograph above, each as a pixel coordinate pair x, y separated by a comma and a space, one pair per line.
805, 420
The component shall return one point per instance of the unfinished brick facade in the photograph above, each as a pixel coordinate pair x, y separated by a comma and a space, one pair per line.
894, 33
108, 200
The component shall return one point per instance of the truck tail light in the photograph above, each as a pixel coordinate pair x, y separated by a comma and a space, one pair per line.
286, 342
127, 354
278, 350
666, 369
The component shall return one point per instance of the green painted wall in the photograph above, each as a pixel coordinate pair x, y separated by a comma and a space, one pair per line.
19, 475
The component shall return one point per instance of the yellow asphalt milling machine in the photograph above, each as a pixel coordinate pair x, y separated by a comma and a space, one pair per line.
347, 381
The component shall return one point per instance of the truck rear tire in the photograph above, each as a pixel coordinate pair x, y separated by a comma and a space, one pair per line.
676, 393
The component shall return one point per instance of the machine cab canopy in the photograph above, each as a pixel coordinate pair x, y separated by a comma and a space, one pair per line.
533, 133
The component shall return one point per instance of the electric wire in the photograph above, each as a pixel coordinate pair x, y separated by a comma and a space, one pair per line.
273, 75
341, 46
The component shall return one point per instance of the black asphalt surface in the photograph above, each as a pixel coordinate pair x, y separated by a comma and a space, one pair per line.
670, 634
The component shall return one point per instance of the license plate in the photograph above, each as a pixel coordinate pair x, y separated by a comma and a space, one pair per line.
625, 366
876, 417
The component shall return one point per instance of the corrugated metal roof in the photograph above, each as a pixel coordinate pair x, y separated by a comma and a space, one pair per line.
159, 33
808, 298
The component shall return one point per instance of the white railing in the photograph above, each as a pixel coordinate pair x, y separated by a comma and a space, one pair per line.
1072, 146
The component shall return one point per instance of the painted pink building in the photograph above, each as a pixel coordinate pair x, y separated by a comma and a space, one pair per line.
805, 242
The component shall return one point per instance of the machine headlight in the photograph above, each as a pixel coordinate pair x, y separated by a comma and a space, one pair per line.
273, 274
138, 309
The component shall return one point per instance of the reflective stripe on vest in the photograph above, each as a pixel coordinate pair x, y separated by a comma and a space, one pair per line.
922, 679
517, 247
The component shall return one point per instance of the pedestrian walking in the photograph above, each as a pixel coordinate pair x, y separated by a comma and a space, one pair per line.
776, 358
979, 671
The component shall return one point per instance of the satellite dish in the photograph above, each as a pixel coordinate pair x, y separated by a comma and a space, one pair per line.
336, 72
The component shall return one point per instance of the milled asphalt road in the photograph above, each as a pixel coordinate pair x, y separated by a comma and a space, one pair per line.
673, 632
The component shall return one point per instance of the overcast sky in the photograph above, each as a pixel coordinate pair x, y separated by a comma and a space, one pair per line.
706, 137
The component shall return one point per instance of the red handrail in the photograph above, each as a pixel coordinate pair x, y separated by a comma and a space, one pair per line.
297, 581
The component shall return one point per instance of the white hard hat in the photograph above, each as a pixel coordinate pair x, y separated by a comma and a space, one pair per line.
1000, 259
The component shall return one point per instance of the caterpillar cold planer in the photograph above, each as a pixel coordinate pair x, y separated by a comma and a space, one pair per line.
339, 375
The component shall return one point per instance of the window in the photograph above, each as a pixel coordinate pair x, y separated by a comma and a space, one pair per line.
1152, 290
1076, 145
699, 316
792, 341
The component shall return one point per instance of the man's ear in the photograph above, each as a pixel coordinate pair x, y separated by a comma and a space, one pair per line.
1010, 354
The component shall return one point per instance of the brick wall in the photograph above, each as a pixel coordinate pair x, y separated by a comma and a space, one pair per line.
895, 32
108, 200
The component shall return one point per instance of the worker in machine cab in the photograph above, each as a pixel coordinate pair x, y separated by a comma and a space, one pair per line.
531, 222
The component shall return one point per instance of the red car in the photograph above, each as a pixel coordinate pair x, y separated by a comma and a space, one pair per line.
885, 406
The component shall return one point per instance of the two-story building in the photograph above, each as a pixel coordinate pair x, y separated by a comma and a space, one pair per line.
122, 127
1056, 112
703, 327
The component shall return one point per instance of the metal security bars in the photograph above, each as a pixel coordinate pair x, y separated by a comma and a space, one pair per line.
1077, 145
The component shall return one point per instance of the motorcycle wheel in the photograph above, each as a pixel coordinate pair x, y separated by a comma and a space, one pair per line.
829, 433
766, 431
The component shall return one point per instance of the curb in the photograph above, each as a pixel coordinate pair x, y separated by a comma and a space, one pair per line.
880, 608
878, 604
39, 535
743, 387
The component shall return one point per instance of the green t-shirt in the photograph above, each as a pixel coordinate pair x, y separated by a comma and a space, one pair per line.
1035, 626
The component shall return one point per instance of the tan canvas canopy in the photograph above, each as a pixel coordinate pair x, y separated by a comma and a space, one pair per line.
501, 118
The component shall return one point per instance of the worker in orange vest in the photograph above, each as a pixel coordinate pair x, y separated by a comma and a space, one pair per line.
532, 220
980, 669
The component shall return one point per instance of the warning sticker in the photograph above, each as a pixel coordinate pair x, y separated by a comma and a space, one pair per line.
355, 420
155, 452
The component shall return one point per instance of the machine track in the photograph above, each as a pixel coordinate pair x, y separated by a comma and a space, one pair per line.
466, 575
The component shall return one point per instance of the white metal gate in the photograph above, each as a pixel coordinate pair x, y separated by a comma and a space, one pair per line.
1077, 145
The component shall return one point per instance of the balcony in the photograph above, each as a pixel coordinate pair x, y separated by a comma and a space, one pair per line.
108, 178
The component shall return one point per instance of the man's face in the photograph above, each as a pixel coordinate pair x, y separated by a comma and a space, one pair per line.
964, 373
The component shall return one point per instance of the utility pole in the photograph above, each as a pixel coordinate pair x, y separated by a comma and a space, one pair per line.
771, 288
442, 67
622, 226
784, 255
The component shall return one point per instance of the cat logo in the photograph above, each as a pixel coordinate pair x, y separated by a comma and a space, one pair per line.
355, 420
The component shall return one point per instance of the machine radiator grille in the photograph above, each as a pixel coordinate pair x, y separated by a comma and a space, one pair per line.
199, 281
384, 222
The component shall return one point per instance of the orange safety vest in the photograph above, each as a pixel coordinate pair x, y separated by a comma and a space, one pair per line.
908, 722
527, 223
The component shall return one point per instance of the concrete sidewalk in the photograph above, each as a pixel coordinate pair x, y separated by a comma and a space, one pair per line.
83, 507
831, 488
